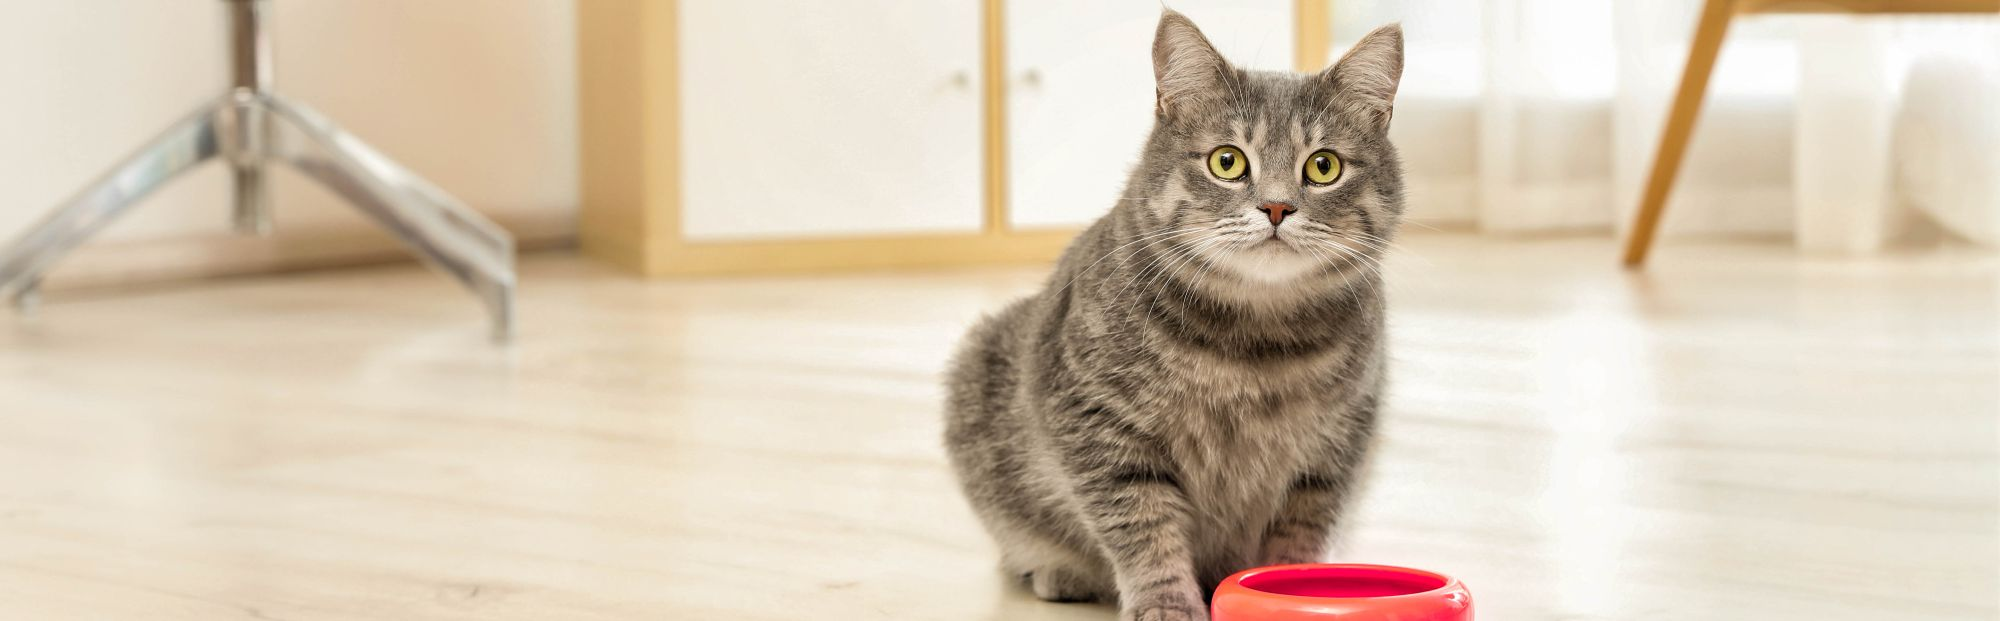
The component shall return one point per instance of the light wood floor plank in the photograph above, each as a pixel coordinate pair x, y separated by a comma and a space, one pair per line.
1738, 433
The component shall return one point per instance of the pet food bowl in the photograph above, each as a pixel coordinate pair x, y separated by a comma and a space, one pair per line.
1316, 592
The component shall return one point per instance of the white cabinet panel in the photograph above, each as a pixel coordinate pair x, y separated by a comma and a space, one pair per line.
1080, 93
814, 119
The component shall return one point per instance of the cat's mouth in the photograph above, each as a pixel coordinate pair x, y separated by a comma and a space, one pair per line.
1269, 258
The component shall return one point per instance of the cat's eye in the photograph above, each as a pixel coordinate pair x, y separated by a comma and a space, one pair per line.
1227, 163
1322, 168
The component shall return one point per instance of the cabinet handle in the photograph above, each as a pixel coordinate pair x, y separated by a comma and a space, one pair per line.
1032, 78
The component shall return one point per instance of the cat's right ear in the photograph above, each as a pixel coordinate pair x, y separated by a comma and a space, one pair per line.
1187, 71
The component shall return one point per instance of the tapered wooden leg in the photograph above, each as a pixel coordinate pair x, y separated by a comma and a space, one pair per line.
1708, 35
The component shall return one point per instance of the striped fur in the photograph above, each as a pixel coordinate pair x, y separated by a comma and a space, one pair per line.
1190, 396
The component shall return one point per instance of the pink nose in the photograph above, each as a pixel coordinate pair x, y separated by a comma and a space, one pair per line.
1277, 211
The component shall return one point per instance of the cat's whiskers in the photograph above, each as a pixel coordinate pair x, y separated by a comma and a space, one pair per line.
1343, 261
1173, 255
1321, 239
1169, 236
1382, 246
1233, 81
1189, 252
1156, 263
1321, 247
1327, 259
1355, 257
1194, 258
1155, 236
1420, 224
1346, 239
1377, 244
1321, 115
1315, 252
1373, 240
1201, 271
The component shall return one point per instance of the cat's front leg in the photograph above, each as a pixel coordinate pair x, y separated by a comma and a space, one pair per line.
1135, 507
1303, 527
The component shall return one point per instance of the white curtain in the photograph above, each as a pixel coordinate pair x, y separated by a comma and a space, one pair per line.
1842, 133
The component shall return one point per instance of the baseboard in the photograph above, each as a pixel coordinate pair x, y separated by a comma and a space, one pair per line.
222, 254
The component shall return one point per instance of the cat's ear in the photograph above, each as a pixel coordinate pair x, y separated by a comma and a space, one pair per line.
1187, 71
1365, 79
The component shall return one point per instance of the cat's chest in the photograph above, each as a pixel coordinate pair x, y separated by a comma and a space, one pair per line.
1246, 422
1236, 459
1236, 467
1249, 437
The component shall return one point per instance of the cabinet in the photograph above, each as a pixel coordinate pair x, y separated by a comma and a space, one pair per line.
758, 136
1080, 93
803, 119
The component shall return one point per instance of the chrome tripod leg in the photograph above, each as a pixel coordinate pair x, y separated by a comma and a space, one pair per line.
246, 132
251, 211
187, 143
444, 232
245, 129
28, 298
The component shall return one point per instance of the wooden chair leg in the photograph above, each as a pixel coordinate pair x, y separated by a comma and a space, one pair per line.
1708, 35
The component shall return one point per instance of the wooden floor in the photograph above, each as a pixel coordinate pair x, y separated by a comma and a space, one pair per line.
1738, 434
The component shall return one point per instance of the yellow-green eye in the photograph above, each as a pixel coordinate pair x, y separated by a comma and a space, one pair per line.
1322, 168
1227, 163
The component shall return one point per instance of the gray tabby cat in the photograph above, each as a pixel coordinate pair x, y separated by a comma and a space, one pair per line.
1195, 391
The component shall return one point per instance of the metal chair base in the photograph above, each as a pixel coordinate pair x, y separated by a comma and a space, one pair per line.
251, 127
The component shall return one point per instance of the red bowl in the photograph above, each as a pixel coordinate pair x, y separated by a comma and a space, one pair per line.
1344, 592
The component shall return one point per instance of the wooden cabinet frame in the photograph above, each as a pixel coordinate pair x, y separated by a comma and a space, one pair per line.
629, 103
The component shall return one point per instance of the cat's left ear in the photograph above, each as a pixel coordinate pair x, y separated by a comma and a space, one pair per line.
1365, 79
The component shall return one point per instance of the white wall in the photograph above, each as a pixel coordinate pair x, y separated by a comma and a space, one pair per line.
477, 95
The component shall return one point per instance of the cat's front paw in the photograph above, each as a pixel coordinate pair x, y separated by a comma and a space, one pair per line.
1056, 584
1291, 558
1164, 612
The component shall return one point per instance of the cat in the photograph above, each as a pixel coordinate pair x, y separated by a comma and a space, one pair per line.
1194, 392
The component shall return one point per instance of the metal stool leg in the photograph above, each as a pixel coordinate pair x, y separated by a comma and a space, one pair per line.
247, 141
437, 227
251, 127
248, 131
185, 145
27, 300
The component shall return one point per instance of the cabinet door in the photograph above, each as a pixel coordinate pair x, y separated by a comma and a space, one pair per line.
1080, 93
814, 119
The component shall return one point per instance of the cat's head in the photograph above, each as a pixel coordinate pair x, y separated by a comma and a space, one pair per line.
1282, 175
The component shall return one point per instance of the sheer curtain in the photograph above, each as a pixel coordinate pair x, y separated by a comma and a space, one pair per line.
1542, 115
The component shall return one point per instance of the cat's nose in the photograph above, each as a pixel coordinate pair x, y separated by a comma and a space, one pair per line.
1277, 211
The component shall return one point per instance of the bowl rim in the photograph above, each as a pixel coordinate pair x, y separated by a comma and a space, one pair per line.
1449, 584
